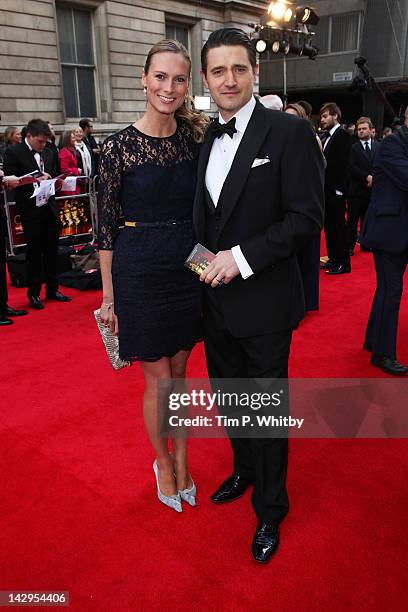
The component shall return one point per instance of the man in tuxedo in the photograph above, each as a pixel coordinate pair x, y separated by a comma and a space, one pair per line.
337, 150
40, 224
361, 179
385, 230
259, 199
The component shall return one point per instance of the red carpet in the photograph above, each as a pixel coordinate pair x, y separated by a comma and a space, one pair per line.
78, 504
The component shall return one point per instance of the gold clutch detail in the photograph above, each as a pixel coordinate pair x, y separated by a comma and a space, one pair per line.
111, 343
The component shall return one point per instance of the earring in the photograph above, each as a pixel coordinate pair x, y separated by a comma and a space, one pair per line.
145, 90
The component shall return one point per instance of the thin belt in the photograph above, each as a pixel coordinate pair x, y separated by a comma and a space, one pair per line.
157, 223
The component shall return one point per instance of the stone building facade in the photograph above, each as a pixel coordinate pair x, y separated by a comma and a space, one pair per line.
83, 58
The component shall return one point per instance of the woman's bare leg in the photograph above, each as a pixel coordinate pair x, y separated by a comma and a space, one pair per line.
178, 365
153, 372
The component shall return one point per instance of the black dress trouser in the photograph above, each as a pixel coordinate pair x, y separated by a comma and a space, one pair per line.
262, 460
381, 332
356, 210
335, 229
41, 233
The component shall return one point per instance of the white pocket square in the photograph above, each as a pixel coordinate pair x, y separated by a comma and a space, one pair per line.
260, 162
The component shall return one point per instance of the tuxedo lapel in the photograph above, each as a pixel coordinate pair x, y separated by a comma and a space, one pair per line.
198, 208
249, 146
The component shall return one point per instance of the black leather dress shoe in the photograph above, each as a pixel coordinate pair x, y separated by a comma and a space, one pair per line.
232, 488
56, 295
367, 347
10, 312
265, 542
339, 269
366, 249
327, 265
35, 302
389, 365
351, 252
5, 321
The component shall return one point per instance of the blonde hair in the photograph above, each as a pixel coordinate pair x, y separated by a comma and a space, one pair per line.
196, 120
298, 108
364, 120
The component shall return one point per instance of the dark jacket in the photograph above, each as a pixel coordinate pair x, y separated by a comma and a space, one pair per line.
386, 223
19, 160
271, 211
338, 154
360, 167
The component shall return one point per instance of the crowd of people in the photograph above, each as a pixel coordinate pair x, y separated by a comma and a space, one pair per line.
34, 148
255, 188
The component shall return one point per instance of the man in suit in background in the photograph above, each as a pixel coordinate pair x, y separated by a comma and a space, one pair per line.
259, 199
6, 312
337, 150
361, 179
87, 127
40, 224
385, 230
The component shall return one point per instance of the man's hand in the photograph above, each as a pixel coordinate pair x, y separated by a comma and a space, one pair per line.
10, 182
370, 180
221, 270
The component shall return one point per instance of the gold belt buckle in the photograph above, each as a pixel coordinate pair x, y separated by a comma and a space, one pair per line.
131, 223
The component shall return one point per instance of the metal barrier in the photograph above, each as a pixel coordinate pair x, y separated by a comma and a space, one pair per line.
78, 215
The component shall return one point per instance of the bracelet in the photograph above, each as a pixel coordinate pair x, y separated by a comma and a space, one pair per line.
108, 305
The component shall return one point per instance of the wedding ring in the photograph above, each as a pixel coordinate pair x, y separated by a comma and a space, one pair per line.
220, 282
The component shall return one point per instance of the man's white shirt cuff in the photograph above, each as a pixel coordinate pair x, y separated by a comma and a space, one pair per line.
244, 267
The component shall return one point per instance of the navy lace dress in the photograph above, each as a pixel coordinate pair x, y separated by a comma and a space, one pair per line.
152, 181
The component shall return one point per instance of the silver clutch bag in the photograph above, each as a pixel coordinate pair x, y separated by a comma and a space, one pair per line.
111, 343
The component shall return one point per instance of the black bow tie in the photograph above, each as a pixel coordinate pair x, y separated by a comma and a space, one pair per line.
224, 128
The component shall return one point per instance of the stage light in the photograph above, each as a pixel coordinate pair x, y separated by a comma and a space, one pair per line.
306, 15
277, 10
260, 46
288, 16
280, 47
310, 51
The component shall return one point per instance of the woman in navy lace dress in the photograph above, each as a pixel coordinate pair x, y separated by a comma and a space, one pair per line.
147, 185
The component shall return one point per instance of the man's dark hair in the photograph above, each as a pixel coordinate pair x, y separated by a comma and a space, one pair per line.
306, 106
38, 127
332, 108
228, 37
84, 123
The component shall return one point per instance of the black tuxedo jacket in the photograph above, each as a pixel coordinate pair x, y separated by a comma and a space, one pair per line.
360, 167
385, 225
19, 160
271, 211
338, 156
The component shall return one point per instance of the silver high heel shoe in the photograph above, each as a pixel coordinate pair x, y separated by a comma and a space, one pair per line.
189, 495
172, 501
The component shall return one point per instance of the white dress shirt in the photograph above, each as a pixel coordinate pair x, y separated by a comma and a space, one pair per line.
219, 164
363, 143
37, 156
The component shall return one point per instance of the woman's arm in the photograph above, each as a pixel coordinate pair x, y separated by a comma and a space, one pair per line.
107, 307
109, 214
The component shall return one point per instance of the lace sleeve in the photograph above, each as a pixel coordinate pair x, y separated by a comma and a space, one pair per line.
109, 207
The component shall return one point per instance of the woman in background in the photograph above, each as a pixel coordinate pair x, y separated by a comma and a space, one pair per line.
82, 153
68, 161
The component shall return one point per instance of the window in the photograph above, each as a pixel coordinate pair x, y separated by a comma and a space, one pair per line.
178, 31
338, 33
77, 62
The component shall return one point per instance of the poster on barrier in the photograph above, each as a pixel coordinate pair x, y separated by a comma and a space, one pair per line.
75, 216
17, 233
